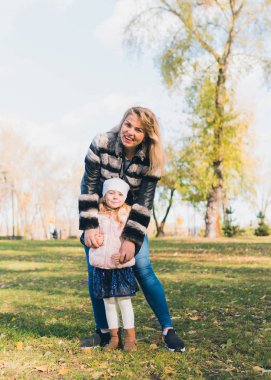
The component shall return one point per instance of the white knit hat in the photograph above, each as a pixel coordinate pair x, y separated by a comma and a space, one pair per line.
116, 184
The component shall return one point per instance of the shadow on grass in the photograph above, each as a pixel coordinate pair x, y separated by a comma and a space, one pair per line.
191, 304
38, 322
27, 246
50, 285
46, 257
227, 248
244, 272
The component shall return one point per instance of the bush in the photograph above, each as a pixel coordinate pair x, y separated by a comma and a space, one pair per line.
229, 229
262, 229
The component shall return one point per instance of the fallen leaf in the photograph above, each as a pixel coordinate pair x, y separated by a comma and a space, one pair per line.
19, 345
260, 369
194, 318
42, 368
191, 332
96, 375
87, 350
46, 345
63, 371
257, 369
153, 346
103, 365
168, 370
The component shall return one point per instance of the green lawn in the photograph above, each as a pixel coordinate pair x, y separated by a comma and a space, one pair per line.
219, 297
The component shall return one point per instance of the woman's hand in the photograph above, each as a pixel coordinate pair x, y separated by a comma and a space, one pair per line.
127, 251
92, 238
116, 258
99, 239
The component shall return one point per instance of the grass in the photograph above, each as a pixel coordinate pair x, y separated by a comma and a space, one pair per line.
219, 298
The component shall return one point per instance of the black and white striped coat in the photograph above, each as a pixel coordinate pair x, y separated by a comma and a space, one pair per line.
104, 160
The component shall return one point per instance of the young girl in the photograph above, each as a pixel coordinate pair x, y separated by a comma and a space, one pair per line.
112, 281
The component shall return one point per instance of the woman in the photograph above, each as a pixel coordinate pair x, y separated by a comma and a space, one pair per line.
133, 152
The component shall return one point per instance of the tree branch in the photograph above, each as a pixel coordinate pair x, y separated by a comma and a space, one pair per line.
222, 9
231, 30
195, 33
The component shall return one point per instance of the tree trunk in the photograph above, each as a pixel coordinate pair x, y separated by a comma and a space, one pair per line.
214, 199
160, 227
160, 231
155, 219
212, 213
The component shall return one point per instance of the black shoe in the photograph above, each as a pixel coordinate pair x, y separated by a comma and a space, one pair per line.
173, 342
96, 340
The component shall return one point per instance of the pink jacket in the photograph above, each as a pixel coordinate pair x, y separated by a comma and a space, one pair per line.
111, 229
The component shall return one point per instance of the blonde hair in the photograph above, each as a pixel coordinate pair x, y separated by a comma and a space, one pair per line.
153, 137
118, 213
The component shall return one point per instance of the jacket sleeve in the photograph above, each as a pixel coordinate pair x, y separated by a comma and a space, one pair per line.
89, 198
140, 215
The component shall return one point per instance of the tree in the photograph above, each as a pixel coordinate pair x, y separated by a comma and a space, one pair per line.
35, 189
262, 229
212, 41
229, 228
166, 189
196, 174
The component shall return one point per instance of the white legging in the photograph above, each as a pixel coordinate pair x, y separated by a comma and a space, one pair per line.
127, 312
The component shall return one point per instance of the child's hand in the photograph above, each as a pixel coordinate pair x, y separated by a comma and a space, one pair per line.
99, 239
116, 258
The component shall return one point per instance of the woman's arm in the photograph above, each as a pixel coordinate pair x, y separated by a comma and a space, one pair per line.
139, 219
88, 200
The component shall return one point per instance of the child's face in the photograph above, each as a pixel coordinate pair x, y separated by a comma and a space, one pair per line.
114, 199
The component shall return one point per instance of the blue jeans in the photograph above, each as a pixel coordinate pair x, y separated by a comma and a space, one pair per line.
149, 283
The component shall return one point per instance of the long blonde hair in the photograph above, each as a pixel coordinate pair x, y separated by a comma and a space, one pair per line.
118, 213
153, 137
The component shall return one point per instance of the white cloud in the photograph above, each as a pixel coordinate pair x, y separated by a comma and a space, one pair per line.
255, 100
6, 71
62, 4
71, 134
111, 31
9, 10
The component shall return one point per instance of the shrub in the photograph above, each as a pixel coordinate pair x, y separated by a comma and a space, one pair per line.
262, 229
229, 229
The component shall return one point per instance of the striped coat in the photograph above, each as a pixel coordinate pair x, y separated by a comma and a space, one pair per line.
104, 160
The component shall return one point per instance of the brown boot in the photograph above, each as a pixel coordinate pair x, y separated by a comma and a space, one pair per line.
129, 340
114, 340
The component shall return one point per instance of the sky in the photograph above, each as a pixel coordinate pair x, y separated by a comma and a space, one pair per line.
65, 76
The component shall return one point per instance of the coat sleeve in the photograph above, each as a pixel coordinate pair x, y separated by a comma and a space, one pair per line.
89, 198
140, 215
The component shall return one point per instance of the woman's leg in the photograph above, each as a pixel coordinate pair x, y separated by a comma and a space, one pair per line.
97, 304
151, 286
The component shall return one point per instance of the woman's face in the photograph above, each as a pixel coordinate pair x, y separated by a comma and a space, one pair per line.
132, 133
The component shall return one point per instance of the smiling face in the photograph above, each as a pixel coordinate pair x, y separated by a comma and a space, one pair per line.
114, 199
132, 134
